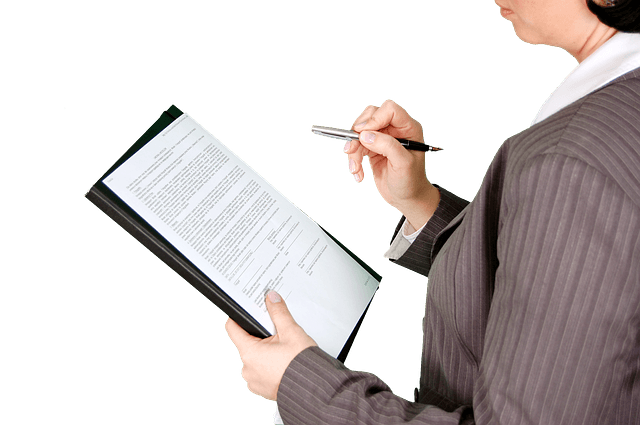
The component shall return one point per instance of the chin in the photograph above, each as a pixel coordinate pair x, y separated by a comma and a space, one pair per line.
527, 36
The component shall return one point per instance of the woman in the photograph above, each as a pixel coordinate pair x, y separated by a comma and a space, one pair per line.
533, 308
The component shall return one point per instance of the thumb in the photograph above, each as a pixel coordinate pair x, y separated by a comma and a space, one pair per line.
385, 145
279, 312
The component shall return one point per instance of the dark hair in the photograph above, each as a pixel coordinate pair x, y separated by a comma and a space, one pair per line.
623, 15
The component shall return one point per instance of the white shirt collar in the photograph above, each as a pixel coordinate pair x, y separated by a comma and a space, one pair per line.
619, 55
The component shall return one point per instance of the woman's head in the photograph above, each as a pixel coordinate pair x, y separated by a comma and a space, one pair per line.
569, 24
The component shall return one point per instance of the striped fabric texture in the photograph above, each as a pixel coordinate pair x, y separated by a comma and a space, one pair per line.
533, 301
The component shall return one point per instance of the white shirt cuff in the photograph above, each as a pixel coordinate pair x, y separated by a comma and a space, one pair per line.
402, 241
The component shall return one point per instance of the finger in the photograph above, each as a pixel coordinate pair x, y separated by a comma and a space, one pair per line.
364, 117
240, 338
350, 145
279, 312
246, 375
392, 119
356, 154
355, 168
387, 146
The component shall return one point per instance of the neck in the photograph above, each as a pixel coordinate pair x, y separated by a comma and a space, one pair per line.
596, 38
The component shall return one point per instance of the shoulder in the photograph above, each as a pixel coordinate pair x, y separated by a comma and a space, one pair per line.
611, 110
601, 131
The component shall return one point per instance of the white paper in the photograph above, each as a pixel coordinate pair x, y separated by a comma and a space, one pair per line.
242, 233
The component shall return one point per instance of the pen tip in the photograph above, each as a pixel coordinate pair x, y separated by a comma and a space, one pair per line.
434, 149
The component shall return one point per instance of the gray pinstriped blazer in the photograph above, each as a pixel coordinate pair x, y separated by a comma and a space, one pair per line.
533, 307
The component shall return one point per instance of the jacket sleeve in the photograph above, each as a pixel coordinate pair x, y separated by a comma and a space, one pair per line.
318, 389
418, 256
563, 336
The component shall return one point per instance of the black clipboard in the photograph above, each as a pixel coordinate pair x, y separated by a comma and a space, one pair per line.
128, 219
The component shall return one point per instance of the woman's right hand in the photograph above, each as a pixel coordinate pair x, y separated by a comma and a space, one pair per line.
399, 174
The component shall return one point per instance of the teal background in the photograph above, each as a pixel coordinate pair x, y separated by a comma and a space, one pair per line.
94, 328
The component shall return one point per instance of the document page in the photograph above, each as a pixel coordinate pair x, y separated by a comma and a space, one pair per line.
242, 233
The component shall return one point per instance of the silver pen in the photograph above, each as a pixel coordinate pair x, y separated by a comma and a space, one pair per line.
337, 133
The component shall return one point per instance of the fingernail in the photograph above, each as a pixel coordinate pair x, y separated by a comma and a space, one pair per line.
369, 137
352, 166
274, 297
347, 145
360, 125
357, 177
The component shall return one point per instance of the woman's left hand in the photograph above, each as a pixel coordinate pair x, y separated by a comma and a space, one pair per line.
265, 360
